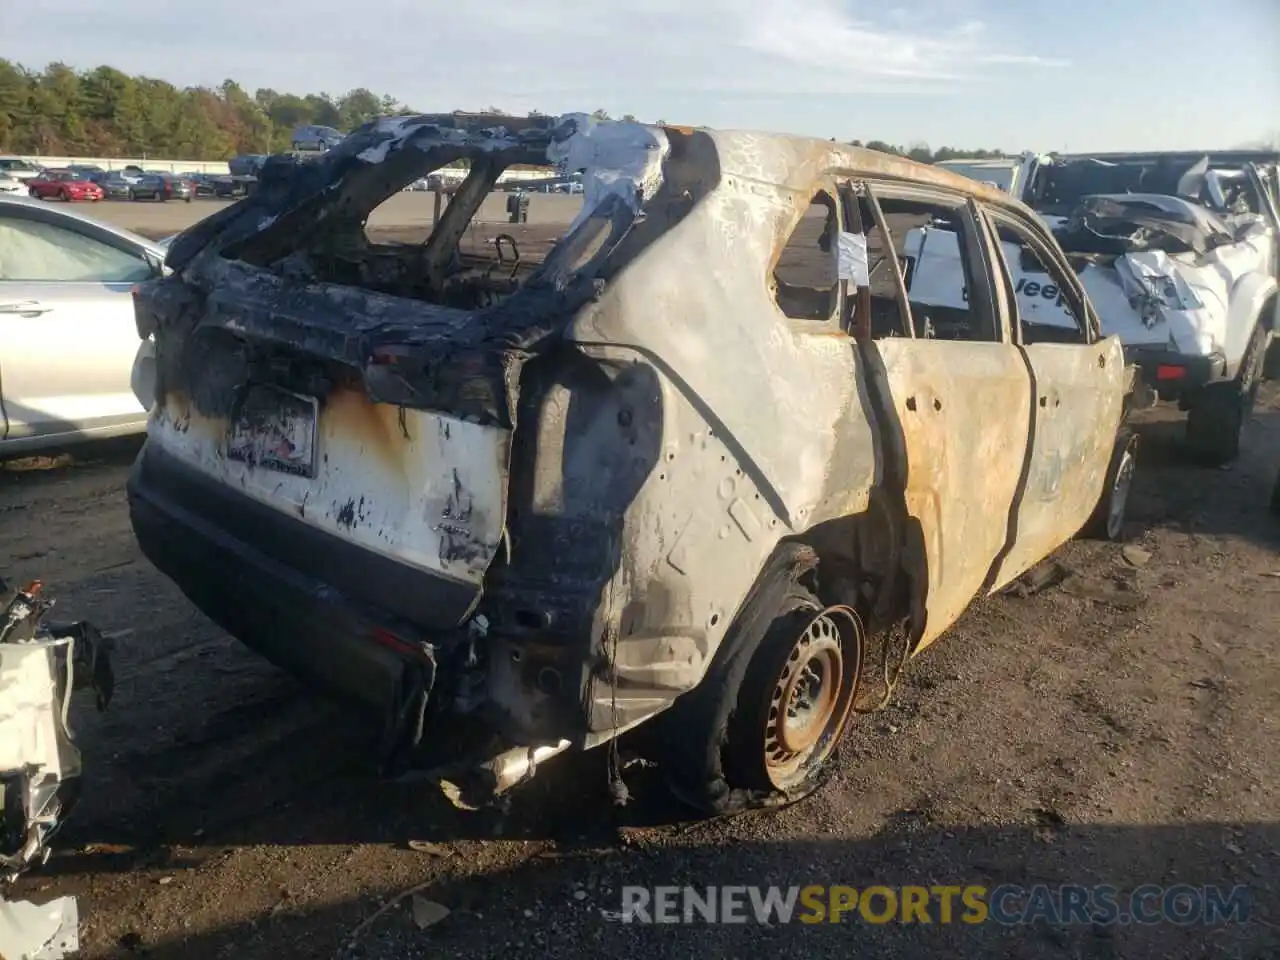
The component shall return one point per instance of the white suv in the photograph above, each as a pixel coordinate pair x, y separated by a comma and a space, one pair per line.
18, 169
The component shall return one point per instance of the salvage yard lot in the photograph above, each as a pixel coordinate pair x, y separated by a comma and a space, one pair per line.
1118, 728
403, 216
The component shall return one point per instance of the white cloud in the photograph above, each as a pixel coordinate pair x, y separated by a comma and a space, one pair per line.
818, 47
805, 66
551, 54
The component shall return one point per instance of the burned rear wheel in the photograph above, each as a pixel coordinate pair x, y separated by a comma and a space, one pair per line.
795, 700
808, 704
763, 727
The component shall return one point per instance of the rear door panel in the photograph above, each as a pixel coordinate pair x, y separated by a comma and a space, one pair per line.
960, 415
67, 330
963, 412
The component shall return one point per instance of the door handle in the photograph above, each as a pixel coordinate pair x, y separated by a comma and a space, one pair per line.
24, 308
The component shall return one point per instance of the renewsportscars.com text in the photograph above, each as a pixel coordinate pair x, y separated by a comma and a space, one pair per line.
1007, 904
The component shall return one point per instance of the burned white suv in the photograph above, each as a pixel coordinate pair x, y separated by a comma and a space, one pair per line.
698, 460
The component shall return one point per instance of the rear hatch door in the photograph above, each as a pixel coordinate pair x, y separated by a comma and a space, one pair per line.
278, 408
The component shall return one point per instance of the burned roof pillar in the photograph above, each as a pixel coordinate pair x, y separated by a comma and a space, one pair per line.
457, 214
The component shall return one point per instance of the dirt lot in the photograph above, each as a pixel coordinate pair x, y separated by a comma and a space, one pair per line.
1117, 729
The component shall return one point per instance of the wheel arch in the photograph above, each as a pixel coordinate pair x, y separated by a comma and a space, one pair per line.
864, 561
1253, 302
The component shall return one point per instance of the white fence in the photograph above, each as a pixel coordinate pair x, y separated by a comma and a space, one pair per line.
210, 166
119, 163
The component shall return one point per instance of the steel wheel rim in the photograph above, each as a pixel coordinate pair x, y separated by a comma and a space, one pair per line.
1120, 495
809, 701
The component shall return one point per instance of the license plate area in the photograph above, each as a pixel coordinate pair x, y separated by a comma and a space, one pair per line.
275, 429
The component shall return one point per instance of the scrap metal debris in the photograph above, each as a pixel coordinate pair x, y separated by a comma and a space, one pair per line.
413, 892
1038, 579
427, 913
1110, 595
1136, 556
46, 931
426, 846
40, 665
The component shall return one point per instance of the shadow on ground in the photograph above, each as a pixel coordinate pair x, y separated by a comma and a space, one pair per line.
313, 784
559, 907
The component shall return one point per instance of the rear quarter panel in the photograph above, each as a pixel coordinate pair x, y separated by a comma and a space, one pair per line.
766, 428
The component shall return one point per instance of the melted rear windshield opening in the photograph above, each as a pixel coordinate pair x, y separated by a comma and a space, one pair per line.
487, 244
453, 211
461, 236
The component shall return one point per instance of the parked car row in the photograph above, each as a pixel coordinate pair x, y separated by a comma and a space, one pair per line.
70, 184
89, 182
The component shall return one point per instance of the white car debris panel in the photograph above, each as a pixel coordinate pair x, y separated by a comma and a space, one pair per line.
533, 502
39, 931
41, 664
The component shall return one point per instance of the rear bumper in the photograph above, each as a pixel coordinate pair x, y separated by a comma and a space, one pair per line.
231, 559
1172, 375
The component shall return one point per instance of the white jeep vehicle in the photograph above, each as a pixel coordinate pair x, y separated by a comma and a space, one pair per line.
1179, 253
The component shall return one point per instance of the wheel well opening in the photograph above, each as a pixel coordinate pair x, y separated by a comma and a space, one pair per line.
861, 563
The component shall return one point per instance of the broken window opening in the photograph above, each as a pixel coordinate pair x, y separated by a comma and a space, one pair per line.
806, 285
469, 244
935, 247
1045, 305
1230, 192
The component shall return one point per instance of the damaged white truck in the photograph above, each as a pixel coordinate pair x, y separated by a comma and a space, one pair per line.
1180, 254
699, 461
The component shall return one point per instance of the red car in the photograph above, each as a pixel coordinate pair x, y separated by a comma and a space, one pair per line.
63, 185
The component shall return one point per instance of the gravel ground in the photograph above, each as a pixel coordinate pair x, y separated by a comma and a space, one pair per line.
1117, 729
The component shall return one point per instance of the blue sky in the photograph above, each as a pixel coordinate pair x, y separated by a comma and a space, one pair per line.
1015, 74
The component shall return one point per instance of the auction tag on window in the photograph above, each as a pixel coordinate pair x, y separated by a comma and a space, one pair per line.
852, 259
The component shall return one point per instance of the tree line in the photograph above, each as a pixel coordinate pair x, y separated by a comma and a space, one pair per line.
922, 153
103, 112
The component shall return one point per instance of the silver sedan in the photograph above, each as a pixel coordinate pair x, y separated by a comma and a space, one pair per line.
67, 334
